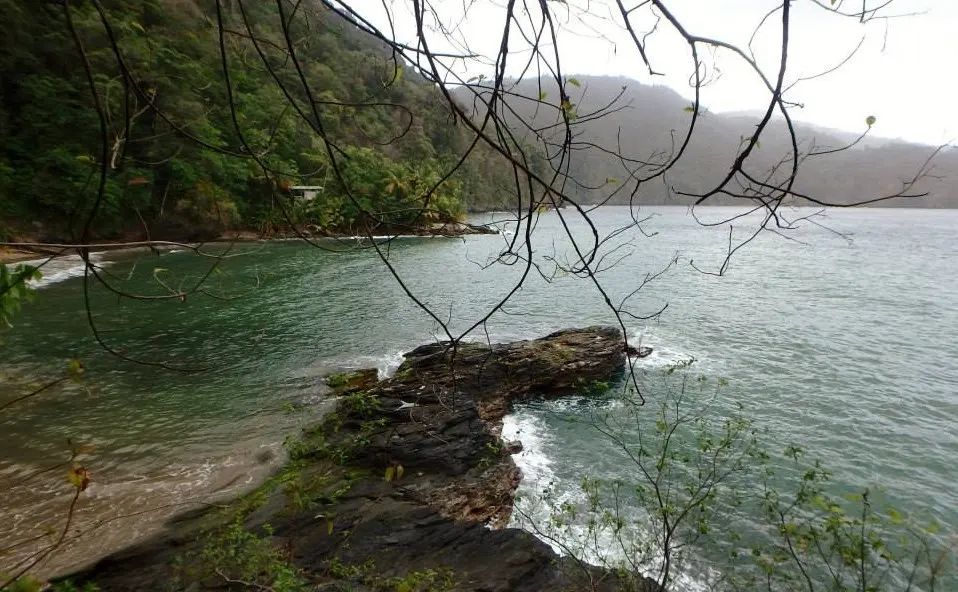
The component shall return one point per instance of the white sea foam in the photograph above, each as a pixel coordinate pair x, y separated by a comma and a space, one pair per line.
532, 513
61, 268
665, 351
536, 466
308, 376
388, 364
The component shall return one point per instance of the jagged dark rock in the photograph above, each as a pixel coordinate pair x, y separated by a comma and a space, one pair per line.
429, 484
557, 365
638, 352
455, 229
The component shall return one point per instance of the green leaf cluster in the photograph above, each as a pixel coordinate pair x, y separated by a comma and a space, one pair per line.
14, 290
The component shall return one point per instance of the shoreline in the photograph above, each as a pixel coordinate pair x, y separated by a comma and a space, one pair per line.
24, 251
397, 482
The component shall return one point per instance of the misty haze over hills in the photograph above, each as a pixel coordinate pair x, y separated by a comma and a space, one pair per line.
645, 122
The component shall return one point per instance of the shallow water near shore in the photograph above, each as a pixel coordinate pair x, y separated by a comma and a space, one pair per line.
842, 343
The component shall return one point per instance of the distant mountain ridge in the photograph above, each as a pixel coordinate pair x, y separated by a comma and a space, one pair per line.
651, 119
871, 140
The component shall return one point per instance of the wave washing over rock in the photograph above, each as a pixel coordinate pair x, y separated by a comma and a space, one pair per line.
537, 466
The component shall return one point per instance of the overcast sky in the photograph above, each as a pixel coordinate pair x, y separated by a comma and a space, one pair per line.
903, 74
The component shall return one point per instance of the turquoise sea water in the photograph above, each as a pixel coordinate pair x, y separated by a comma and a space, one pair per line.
841, 338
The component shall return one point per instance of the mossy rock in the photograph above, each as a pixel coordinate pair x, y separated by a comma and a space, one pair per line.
351, 382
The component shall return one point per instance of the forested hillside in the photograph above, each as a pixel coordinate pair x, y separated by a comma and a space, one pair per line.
188, 152
621, 117
176, 164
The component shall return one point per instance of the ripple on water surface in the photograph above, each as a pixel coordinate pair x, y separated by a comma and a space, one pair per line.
846, 349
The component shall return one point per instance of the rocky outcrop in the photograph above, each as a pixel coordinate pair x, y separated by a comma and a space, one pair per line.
494, 376
455, 229
638, 352
447, 228
415, 477
441, 413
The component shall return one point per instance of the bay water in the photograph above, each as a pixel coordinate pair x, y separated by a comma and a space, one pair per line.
839, 335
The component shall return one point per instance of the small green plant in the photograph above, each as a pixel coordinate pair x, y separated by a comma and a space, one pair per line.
15, 290
239, 556
347, 571
366, 431
705, 498
361, 403
598, 387
29, 583
852, 542
424, 580
348, 382
298, 447
335, 381
25, 583
493, 450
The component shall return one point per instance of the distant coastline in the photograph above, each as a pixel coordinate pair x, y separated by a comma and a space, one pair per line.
33, 250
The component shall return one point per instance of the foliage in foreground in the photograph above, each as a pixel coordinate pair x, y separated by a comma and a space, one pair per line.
239, 549
705, 502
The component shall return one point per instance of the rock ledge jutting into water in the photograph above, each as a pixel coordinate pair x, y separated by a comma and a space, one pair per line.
409, 475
